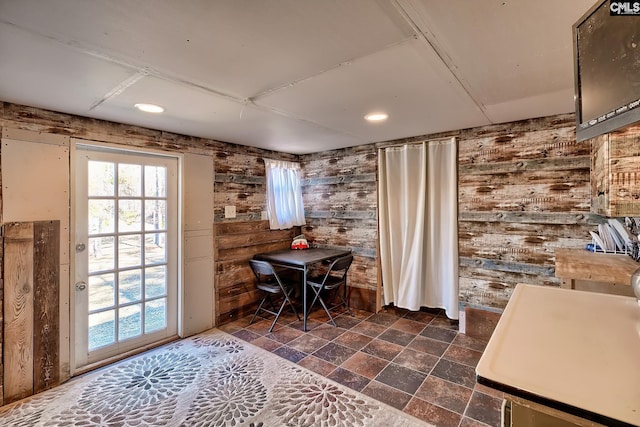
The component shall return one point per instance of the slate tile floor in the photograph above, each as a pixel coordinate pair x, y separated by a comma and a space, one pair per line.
414, 361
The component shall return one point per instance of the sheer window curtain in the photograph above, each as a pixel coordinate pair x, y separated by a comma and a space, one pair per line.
418, 210
284, 194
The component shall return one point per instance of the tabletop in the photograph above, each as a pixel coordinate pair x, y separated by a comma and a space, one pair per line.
302, 257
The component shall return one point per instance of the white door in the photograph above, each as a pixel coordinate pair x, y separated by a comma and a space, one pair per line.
126, 252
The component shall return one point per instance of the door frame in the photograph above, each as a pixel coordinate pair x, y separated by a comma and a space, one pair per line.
73, 161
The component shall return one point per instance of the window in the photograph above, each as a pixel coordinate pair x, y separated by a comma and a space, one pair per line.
284, 194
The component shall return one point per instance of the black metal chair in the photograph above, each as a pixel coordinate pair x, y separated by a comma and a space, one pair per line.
270, 284
331, 281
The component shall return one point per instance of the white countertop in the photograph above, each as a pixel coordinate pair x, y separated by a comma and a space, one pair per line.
578, 348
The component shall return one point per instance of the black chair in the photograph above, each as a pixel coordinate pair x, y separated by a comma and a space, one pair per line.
331, 281
270, 284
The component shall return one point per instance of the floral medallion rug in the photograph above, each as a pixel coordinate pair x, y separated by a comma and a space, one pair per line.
211, 379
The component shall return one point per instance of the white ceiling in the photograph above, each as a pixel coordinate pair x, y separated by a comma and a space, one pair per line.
295, 76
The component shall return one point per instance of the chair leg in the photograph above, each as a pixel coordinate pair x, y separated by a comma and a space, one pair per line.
327, 310
291, 304
284, 302
344, 302
315, 298
345, 299
318, 298
260, 307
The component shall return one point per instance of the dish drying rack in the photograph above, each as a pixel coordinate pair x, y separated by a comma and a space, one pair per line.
616, 237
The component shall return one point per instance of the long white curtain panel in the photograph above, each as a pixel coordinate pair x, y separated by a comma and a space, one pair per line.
418, 209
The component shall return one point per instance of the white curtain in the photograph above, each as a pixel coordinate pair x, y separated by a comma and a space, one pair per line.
284, 194
418, 209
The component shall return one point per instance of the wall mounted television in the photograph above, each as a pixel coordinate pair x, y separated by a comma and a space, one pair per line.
607, 70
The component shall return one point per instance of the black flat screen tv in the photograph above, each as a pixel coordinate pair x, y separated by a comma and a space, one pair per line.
607, 71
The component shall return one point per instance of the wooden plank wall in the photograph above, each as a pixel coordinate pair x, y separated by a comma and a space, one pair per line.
340, 199
18, 311
240, 182
236, 243
523, 190
46, 305
31, 308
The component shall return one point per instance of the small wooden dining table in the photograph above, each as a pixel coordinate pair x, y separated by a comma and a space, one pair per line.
300, 260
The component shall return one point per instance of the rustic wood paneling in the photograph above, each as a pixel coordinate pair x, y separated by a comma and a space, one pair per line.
240, 182
18, 311
46, 305
235, 244
524, 191
31, 308
362, 298
340, 198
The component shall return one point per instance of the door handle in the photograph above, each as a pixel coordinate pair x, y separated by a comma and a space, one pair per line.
81, 286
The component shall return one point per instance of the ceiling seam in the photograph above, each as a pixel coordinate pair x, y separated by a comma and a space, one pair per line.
119, 88
429, 38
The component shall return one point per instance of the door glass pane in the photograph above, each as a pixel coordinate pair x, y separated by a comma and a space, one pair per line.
101, 216
129, 180
155, 282
129, 251
130, 321
102, 329
100, 179
102, 291
155, 248
129, 215
155, 315
101, 254
155, 215
130, 286
155, 181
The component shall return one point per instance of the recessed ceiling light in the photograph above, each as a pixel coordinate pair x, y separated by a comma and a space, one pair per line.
376, 117
149, 108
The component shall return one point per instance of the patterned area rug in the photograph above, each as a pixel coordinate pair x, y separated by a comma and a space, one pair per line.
211, 379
